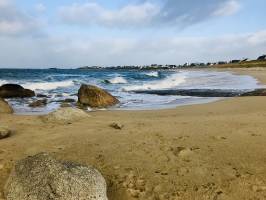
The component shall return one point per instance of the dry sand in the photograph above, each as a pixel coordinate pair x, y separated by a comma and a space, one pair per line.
212, 151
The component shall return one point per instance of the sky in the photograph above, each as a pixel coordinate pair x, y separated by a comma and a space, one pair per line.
38, 33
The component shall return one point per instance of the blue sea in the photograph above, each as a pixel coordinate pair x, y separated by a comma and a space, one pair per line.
60, 84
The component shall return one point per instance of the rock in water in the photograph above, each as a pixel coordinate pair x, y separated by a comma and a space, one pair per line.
15, 91
38, 103
5, 107
65, 115
42, 177
4, 132
95, 97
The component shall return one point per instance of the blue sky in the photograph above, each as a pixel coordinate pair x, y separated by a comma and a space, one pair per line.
37, 33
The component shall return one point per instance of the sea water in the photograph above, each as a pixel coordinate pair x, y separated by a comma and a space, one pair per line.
60, 84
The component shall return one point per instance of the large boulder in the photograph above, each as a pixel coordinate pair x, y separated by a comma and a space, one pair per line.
65, 115
14, 91
5, 107
95, 97
42, 177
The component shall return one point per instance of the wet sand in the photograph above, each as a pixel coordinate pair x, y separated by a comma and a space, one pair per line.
213, 151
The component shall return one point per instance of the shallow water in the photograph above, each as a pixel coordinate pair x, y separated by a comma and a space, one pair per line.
59, 84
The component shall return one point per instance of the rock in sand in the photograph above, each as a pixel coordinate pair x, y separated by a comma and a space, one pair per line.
4, 132
5, 107
65, 115
95, 97
42, 177
117, 126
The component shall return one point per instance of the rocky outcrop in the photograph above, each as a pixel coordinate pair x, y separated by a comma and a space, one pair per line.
258, 92
42, 177
4, 132
204, 92
38, 103
95, 97
65, 115
5, 107
14, 91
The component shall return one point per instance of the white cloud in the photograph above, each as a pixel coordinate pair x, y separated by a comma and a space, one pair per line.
229, 8
14, 21
148, 13
93, 13
69, 52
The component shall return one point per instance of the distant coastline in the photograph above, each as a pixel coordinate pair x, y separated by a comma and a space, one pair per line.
244, 63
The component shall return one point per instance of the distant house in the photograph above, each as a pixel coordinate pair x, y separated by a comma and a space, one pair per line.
235, 61
222, 63
263, 57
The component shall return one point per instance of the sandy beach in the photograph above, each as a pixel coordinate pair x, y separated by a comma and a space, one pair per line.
213, 151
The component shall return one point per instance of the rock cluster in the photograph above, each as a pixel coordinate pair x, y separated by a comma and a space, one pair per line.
42, 177
95, 97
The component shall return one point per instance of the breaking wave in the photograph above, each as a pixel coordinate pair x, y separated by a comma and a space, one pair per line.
153, 74
167, 83
118, 80
48, 85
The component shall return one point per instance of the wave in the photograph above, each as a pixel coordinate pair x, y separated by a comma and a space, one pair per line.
118, 80
167, 83
2, 82
48, 85
153, 74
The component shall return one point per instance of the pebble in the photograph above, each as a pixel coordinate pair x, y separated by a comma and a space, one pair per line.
157, 189
1, 166
117, 126
4, 132
134, 193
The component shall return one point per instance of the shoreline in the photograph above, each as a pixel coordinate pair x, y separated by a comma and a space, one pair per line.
204, 151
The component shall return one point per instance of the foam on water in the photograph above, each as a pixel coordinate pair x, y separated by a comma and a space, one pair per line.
170, 82
118, 80
48, 85
153, 74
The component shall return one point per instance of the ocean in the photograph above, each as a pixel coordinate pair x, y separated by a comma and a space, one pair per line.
60, 84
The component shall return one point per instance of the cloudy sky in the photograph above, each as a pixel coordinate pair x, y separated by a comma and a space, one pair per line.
38, 33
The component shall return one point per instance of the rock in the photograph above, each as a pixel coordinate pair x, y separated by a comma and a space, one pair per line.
15, 91
42, 177
117, 126
41, 96
5, 107
65, 105
4, 132
258, 92
95, 97
65, 115
69, 101
38, 103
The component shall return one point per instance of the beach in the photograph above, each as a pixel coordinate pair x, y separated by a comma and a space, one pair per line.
208, 151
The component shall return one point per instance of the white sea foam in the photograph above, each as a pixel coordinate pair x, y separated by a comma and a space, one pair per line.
152, 74
2, 82
48, 85
118, 80
167, 83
